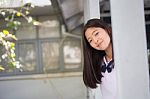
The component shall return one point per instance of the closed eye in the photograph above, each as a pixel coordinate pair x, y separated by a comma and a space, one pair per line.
96, 33
90, 40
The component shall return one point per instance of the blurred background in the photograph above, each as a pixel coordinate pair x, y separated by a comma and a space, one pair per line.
51, 52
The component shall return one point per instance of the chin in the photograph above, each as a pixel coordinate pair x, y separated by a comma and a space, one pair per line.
102, 49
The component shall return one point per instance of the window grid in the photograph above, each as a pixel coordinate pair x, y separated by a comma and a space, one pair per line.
29, 50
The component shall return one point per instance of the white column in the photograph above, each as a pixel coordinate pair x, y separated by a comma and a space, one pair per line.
130, 52
91, 9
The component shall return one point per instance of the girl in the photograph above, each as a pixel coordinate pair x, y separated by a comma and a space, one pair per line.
98, 58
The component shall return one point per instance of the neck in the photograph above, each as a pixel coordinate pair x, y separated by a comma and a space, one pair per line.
108, 52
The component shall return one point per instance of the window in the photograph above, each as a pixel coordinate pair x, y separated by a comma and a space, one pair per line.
72, 53
43, 49
49, 28
26, 30
50, 55
27, 56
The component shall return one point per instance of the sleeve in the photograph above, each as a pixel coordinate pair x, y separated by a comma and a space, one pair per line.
95, 93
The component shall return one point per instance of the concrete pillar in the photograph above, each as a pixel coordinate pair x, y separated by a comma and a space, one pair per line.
91, 9
130, 52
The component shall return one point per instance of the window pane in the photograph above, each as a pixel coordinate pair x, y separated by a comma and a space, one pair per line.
49, 28
27, 56
26, 30
50, 55
72, 53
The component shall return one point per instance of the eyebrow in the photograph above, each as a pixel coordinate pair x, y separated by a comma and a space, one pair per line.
92, 34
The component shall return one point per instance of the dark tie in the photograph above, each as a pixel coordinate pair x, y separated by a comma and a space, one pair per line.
108, 67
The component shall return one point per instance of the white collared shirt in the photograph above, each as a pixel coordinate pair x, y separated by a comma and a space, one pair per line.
108, 88
109, 84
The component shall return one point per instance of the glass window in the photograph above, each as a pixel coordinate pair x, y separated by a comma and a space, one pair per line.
26, 30
27, 56
49, 27
50, 55
38, 48
72, 53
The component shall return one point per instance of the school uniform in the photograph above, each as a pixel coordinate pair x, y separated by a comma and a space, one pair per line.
108, 88
109, 85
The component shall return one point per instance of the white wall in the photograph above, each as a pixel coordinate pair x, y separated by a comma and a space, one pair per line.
46, 88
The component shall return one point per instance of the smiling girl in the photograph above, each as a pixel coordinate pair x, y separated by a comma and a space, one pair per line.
98, 58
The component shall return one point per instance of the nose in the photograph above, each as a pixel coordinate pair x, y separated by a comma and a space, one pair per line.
95, 40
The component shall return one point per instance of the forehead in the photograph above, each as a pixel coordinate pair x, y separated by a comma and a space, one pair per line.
91, 30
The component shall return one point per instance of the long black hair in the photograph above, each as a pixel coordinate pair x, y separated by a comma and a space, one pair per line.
92, 57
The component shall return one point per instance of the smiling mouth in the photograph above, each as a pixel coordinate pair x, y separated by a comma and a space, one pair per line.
99, 44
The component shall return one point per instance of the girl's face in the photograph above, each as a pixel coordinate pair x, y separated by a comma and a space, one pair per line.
98, 38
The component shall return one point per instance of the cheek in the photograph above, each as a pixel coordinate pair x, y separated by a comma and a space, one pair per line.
107, 41
93, 45
105, 44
